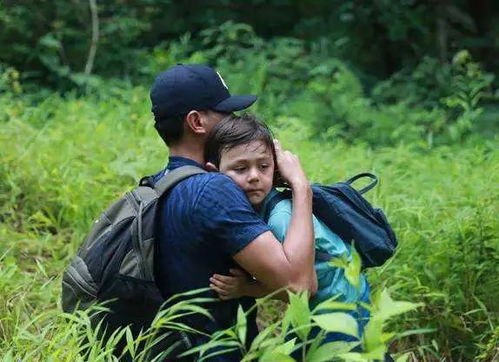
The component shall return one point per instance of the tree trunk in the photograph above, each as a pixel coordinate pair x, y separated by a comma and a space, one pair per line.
95, 37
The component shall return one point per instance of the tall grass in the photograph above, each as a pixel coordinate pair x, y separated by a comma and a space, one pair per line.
64, 160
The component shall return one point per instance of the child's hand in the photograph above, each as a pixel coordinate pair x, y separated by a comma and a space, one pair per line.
289, 166
230, 287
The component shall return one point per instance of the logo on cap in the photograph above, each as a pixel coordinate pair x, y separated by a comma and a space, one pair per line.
222, 80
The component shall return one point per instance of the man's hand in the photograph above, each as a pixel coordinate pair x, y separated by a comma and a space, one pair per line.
230, 287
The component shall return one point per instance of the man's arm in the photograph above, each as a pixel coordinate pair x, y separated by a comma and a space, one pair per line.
290, 264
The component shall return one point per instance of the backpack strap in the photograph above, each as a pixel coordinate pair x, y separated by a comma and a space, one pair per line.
373, 183
171, 178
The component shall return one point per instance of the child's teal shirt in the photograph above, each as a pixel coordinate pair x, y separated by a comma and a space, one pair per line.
332, 282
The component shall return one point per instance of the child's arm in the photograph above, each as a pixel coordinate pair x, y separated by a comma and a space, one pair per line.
238, 284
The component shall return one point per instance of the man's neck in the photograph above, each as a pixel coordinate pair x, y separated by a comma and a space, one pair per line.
192, 153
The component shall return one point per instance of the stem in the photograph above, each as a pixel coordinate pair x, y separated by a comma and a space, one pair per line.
442, 30
95, 37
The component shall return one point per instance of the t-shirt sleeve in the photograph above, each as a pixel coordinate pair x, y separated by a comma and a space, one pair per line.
225, 215
279, 219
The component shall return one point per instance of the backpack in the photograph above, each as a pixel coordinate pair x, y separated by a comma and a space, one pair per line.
115, 261
343, 209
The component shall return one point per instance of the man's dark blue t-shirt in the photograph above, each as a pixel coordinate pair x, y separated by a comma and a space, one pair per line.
205, 220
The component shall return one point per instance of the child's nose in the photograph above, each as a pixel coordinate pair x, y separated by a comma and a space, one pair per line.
253, 175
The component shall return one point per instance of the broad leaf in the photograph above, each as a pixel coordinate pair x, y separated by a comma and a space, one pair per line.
276, 357
337, 322
329, 350
387, 307
286, 348
241, 326
334, 305
300, 314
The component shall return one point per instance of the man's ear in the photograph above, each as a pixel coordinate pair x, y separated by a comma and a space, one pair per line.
194, 122
210, 167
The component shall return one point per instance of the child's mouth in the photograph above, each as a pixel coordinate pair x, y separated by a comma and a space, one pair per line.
253, 192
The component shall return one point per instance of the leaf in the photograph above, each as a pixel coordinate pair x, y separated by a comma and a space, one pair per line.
334, 305
339, 262
415, 331
262, 336
49, 41
217, 353
317, 342
9, 357
354, 357
286, 323
352, 272
351, 267
241, 326
130, 342
286, 348
300, 314
329, 350
337, 322
403, 358
222, 347
387, 307
376, 354
276, 357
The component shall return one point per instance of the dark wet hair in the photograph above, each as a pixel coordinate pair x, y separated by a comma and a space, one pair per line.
234, 131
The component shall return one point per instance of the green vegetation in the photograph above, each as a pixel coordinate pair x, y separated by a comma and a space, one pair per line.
52, 42
424, 118
64, 158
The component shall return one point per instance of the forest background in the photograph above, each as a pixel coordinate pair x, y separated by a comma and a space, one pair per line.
406, 89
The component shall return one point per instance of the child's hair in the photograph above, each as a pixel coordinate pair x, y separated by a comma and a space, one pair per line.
234, 131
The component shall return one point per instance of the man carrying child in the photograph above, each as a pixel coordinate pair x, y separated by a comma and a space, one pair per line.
207, 225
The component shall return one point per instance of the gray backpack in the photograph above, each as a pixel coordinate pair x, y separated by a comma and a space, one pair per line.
115, 262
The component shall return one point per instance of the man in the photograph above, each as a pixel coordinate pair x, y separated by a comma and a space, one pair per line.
207, 224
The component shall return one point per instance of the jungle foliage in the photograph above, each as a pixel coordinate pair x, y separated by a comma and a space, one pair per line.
67, 157
50, 41
403, 89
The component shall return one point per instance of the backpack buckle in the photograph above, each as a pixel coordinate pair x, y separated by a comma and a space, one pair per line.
147, 181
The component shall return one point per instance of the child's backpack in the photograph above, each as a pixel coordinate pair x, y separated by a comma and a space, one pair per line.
115, 262
352, 218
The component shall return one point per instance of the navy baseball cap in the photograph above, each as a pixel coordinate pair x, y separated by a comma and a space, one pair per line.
187, 87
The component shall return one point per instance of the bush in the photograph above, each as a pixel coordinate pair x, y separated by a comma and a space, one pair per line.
434, 104
454, 90
63, 160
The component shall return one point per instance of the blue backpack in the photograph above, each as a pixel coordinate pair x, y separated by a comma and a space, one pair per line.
343, 209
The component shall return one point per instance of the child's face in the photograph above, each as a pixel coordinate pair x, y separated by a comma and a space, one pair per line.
251, 166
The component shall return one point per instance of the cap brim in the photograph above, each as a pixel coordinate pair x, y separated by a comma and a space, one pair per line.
235, 103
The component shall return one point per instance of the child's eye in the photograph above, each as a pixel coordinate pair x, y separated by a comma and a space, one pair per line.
264, 166
239, 169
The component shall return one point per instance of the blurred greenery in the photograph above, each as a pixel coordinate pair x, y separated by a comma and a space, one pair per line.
404, 89
422, 98
65, 158
49, 41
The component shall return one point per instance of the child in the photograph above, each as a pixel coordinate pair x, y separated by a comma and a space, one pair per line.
243, 148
